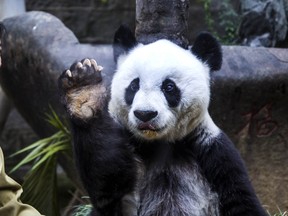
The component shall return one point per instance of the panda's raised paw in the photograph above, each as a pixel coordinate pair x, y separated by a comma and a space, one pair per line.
82, 92
83, 73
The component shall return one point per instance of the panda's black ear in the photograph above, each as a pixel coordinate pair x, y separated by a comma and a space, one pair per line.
208, 50
124, 40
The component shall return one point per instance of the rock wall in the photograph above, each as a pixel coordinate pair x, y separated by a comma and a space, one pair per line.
94, 21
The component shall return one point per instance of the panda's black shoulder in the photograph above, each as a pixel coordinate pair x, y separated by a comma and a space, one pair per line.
219, 155
224, 169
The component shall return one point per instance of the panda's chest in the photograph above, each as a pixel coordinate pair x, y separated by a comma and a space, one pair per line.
175, 190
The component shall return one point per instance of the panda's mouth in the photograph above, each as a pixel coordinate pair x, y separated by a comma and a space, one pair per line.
147, 127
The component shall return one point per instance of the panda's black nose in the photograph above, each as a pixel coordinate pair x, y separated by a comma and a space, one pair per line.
145, 115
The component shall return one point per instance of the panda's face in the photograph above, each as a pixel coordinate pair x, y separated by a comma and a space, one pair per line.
160, 91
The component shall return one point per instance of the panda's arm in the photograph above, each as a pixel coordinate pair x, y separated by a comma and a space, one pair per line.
225, 171
102, 152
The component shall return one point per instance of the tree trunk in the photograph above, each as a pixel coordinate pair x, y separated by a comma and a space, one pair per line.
158, 19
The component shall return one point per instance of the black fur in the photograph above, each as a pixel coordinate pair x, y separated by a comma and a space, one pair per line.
124, 40
131, 91
105, 163
145, 115
207, 49
171, 92
224, 169
102, 151
106, 158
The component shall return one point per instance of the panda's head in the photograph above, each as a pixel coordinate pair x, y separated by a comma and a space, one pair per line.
160, 90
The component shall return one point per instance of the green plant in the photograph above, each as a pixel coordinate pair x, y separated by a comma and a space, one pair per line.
228, 21
40, 183
83, 210
280, 213
208, 15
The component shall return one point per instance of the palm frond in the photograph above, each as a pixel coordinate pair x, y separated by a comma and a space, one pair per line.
40, 183
55, 121
40, 188
44, 148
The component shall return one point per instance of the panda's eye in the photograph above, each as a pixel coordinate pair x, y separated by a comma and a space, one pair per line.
168, 86
134, 85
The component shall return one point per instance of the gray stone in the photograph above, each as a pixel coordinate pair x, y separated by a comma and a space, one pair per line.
86, 18
249, 101
264, 22
16, 135
94, 26
5, 107
5, 104
41, 47
37, 47
58, 3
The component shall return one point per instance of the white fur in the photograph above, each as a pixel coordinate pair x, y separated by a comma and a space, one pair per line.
192, 196
152, 64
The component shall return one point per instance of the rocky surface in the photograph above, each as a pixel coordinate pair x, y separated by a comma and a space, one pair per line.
86, 18
263, 23
16, 135
249, 102
249, 95
41, 47
36, 48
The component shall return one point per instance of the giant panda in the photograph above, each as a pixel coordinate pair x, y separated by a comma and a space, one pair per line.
146, 145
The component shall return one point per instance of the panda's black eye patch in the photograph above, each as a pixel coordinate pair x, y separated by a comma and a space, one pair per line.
171, 92
131, 91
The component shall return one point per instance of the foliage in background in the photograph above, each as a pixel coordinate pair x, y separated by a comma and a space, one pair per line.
228, 20
280, 213
40, 183
83, 210
208, 16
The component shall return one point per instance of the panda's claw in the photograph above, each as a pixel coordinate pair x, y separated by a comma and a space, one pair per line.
93, 62
68, 73
86, 62
83, 73
79, 65
95, 66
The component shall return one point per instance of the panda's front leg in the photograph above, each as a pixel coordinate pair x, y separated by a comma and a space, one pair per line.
103, 155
